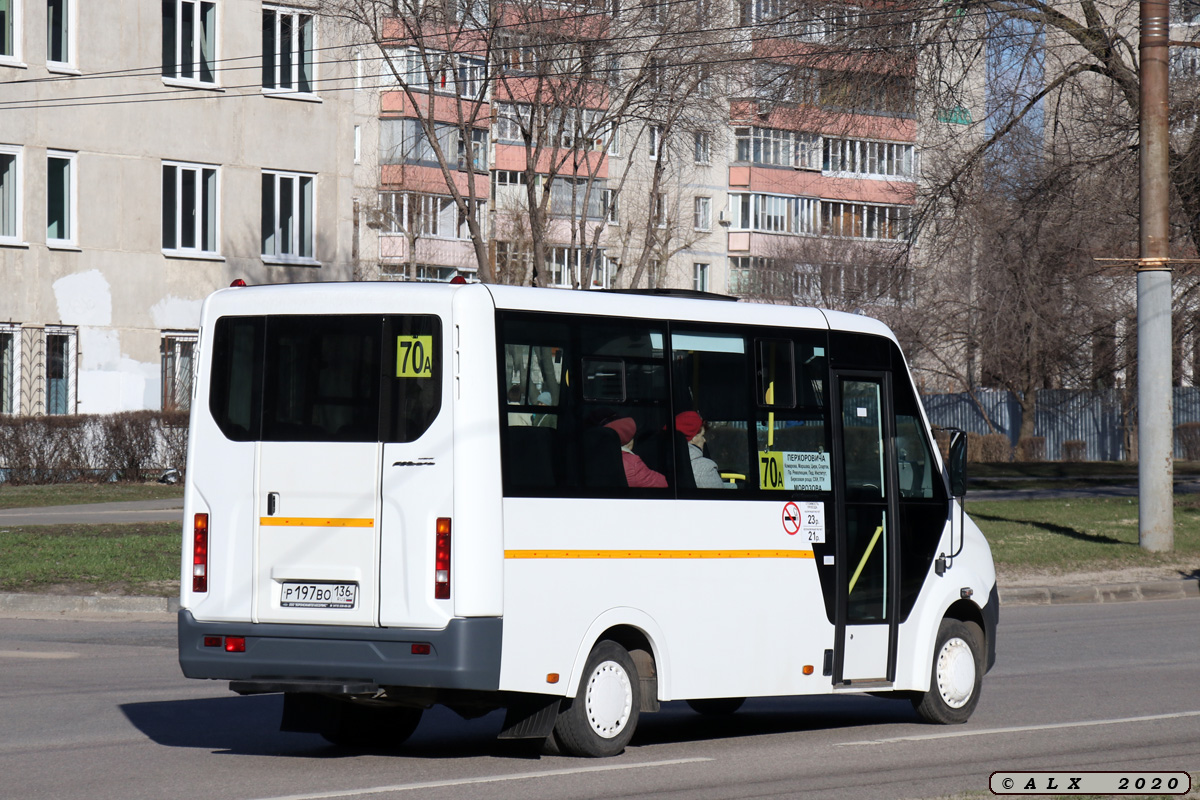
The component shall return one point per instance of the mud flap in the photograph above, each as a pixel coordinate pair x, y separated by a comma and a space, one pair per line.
530, 716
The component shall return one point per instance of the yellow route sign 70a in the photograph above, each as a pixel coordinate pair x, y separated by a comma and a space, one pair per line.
414, 356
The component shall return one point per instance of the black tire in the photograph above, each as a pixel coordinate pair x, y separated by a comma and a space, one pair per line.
716, 706
956, 676
369, 727
602, 717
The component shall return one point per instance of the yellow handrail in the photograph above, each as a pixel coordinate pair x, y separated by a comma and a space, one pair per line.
866, 555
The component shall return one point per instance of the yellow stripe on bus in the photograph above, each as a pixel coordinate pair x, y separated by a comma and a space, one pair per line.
658, 554
317, 522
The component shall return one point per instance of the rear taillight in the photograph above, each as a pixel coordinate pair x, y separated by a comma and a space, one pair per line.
200, 553
441, 560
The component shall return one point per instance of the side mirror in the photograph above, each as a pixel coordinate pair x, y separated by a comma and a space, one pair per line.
957, 465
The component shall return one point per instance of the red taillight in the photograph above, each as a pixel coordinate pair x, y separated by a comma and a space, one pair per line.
212, 641
441, 560
235, 644
422, 649
200, 553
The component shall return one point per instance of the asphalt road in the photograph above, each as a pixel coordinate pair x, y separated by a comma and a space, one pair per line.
98, 710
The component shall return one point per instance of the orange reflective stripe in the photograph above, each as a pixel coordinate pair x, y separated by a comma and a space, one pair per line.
658, 554
317, 522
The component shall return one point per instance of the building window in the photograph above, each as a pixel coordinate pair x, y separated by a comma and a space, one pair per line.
864, 221
703, 214
10, 30
568, 267
60, 198
392, 271
60, 15
700, 277
10, 369
178, 368
773, 213
660, 210
869, 159
435, 216
702, 147
189, 40
287, 50
777, 148
287, 216
60, 370
189, 209
10, 193
612, 211
655, 142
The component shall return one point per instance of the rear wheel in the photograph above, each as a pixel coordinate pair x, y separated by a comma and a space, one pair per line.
716, 706
600, 720
372, 727
957, 674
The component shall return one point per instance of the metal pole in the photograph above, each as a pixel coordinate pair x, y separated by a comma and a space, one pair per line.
1156, 513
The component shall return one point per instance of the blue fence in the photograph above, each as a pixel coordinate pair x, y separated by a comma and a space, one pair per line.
1098, 418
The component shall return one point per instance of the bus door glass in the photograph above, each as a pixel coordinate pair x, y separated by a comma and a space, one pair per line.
867, 571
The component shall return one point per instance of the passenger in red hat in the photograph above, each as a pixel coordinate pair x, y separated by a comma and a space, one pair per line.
692, 426
637, 474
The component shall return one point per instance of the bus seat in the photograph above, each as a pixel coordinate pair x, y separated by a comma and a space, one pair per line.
531, 456
601, 455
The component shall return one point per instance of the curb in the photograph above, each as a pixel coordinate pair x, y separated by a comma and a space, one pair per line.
88, 604
12, 604
1102, 593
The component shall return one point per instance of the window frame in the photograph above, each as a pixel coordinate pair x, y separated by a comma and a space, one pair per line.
700, 276
65, 30
10, 379
302, 62
702, 147
207, 214
171, 349
12, 194
204, 46
71, 334
69, 213
302, 220
702, 213
10, 36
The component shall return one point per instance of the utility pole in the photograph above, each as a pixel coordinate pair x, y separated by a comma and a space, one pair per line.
1156, 512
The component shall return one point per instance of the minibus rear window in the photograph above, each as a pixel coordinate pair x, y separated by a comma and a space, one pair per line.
326, 378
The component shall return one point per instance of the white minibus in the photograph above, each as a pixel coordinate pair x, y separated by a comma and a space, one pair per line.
573, 506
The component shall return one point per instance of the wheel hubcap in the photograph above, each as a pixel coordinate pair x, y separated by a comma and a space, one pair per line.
609, 699
956, 673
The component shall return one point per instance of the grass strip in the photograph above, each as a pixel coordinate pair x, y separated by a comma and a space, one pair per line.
69, 494
136, 559
1080, 534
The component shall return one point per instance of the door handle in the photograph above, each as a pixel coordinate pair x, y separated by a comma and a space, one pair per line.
272, 501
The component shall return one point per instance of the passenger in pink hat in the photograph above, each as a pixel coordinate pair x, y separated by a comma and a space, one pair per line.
692, 426
637, 474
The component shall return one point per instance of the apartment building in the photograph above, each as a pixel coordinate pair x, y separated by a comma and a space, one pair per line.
151, 152
669, 151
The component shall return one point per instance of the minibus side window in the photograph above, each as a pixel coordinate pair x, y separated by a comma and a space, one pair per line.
235, 391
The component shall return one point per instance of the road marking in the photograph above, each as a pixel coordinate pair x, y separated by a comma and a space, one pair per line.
1020, 729
521, 776
35, 654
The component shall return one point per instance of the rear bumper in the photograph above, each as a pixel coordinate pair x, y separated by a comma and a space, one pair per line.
463, 655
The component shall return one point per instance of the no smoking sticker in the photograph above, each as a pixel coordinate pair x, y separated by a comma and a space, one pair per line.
791, 519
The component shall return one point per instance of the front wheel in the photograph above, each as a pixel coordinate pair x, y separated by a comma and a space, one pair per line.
957, 674
601, 718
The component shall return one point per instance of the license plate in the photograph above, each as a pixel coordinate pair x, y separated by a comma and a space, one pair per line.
318, 595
